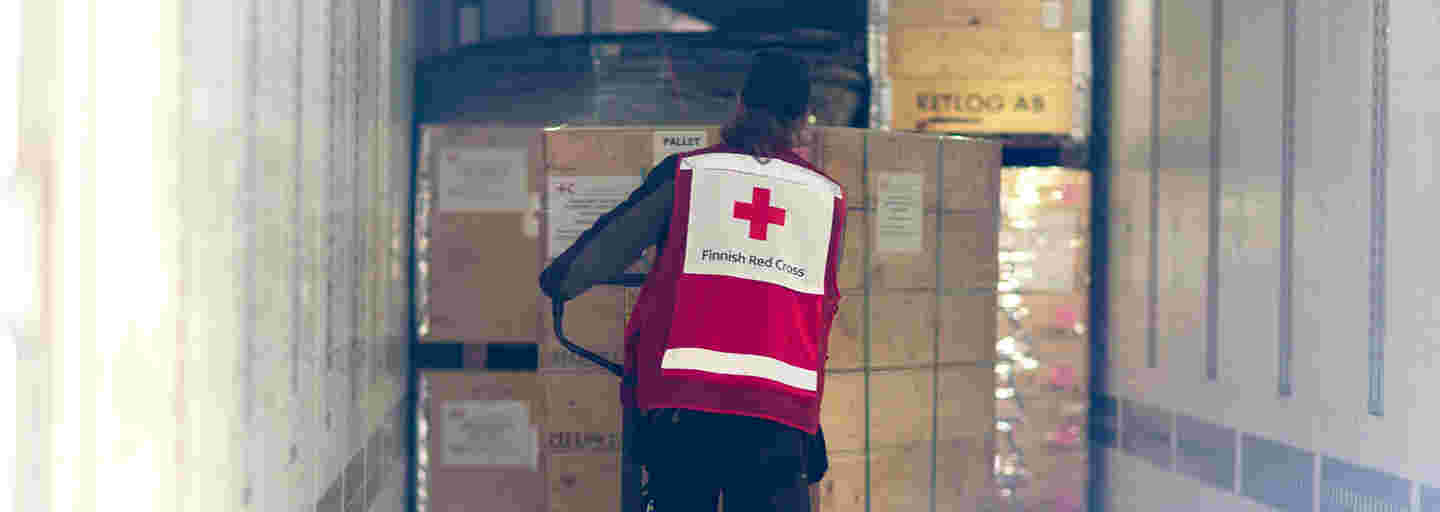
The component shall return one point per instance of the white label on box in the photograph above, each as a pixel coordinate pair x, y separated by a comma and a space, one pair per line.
576, 202
482, 180
899, 221
530, 226
488, 433
669, 143
1053, 12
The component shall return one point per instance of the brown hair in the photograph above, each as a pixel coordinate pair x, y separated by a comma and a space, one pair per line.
760, 133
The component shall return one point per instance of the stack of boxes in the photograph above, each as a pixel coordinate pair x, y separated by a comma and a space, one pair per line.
909, 384
908, 377
496, 204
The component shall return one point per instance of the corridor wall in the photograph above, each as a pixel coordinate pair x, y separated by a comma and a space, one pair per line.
213, 202
1271, 302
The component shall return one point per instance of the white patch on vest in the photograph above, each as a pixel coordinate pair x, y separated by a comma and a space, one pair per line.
769, 223
748, 365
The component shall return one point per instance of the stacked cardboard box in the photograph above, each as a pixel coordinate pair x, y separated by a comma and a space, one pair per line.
496, 205
484, 433
915, 329
915, 333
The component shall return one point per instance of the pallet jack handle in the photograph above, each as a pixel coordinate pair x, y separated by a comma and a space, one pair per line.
630, 472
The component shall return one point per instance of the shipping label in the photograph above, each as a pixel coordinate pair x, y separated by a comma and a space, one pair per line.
482, 180
670, 142
899, 220
488, 433
574, 203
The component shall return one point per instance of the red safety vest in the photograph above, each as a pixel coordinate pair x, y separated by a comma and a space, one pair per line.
736, 313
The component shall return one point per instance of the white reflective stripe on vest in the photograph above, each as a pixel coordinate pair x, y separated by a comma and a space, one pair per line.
748, 365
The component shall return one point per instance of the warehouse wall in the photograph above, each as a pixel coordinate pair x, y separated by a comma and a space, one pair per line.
1272, 305
213, 202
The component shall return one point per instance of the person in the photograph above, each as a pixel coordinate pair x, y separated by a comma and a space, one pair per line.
726, 344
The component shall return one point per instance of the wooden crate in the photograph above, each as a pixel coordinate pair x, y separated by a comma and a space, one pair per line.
990, 14
980, 53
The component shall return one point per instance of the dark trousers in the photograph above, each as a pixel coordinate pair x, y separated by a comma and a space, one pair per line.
693, 457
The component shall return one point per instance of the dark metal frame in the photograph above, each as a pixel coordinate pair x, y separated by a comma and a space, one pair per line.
1102, 24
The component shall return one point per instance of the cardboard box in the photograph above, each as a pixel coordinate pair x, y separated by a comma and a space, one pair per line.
850, 276
479, 200
476, 458
584, 482
842, 411
966, 402
980, 53
847, 335
902, 329
843, 488
900, 478
902, 257
989, 14
902, 407
595, 321
840, 153
970, 252
968, 327
903, 152
583, 414
971, 182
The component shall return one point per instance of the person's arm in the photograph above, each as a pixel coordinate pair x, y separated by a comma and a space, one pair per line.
617, 239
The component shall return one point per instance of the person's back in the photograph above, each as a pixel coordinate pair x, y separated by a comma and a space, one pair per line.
726, 345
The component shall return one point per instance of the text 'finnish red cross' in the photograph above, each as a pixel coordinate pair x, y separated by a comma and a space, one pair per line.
759, 212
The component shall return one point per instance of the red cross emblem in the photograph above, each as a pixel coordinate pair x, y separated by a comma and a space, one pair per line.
759, 212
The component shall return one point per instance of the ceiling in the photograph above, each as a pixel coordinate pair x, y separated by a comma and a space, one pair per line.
845, 16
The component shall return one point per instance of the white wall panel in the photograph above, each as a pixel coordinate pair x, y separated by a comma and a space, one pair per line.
1130, 204
1413, 319
273, 473
1183, 163
1145, 487
215, 54
1250, 144
224, 322
316, 154
1335, 45
1332, 217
